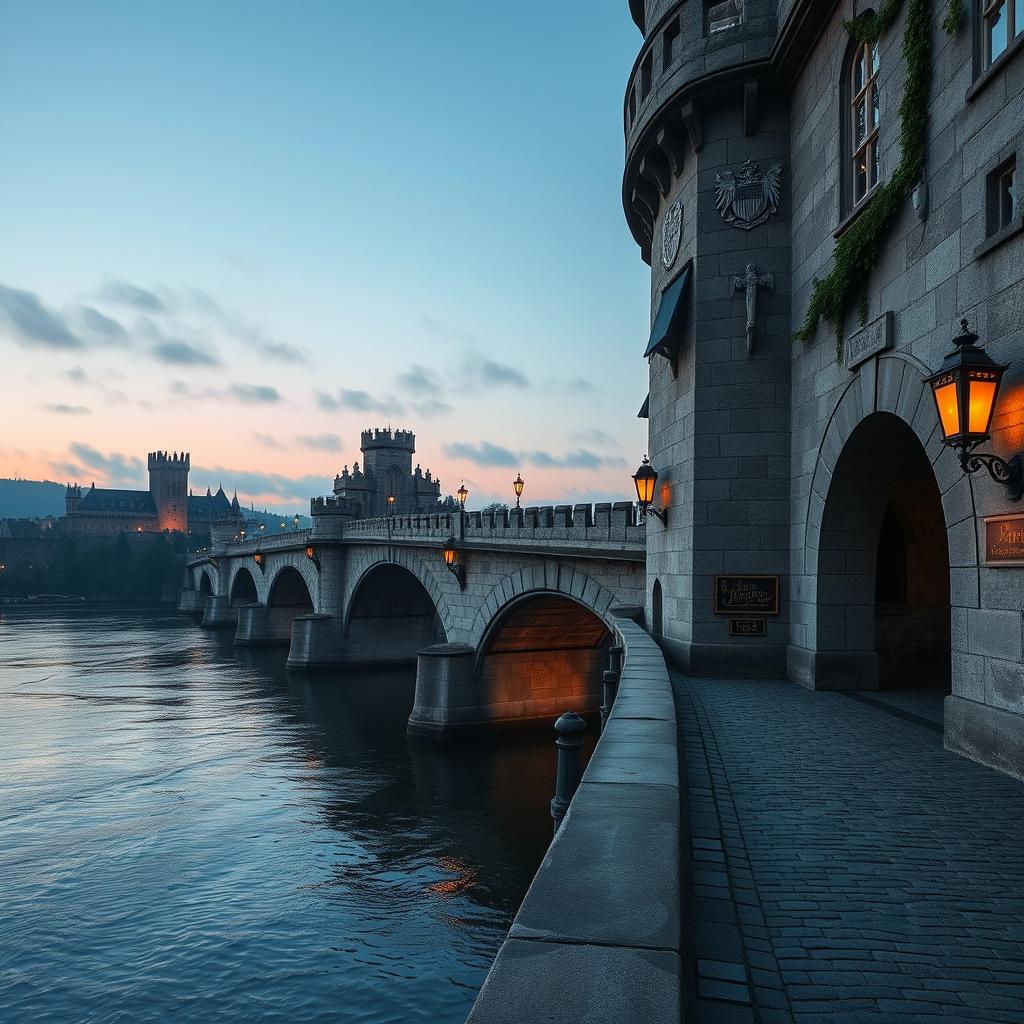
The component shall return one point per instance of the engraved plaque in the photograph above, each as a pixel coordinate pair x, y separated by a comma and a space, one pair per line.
1004, 540
748, 627
746, 595
871, 339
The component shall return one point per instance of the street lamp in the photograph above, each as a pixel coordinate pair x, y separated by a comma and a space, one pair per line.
965, 389
463, 494
517, 486
391, 504
450, 553
644, 480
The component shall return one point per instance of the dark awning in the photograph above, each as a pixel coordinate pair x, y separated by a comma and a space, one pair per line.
669, 315
645, 409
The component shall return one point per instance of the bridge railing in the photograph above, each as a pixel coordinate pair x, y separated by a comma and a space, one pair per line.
606, 522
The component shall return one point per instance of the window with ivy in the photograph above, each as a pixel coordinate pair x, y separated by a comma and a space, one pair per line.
864, 119
1002, 21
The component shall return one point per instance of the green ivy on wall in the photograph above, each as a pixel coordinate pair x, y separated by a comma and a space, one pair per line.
856, 252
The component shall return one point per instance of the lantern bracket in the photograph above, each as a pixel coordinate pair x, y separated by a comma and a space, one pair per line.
459, 572
659, 512
1009, 474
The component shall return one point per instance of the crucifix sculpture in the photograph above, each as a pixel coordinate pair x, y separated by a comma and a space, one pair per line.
749, 283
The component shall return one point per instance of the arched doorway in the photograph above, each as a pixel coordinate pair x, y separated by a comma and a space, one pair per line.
657, 619
391, 618
883, 609
543, 655
243, 589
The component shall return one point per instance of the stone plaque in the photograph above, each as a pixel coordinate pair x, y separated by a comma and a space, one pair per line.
871, 339
748, 627
750, 595
1004, 540
671, 234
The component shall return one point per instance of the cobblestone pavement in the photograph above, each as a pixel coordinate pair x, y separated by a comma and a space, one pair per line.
877, 876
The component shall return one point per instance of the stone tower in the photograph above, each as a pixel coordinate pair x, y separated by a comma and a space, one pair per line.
168, 484
72, 499
706, 194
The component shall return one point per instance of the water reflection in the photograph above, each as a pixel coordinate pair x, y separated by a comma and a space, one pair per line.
193, 831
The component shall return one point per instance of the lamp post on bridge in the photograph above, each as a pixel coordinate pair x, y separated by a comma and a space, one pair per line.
517, 486
463, 494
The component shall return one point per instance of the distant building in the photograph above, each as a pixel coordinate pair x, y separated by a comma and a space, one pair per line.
387, 470
167, 505
27, 542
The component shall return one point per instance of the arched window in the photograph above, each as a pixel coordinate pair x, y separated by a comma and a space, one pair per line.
863, 114
657, 623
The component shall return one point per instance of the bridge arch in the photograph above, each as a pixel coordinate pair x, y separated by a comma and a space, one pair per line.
243, 588
391, 616
289, 590
205, 584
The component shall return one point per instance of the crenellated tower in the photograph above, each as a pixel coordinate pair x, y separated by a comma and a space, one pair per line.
168, 484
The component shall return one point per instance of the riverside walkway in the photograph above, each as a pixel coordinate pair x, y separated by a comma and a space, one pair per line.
840, 865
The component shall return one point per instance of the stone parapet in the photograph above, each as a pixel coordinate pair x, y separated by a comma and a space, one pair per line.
604, 906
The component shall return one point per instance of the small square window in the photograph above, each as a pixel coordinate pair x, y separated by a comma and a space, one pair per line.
723, 16
646, 76
668, 42
1003, 204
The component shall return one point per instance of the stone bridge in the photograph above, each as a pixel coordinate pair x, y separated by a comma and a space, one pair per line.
521, 631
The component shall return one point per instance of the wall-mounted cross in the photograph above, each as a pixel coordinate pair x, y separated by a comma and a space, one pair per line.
749, 283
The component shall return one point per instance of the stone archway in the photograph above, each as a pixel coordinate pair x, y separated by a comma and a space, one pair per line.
243, 589
205, 584
883, 597
391, 617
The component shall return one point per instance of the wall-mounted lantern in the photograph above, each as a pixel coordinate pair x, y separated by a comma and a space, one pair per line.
391, 504
260, 561
645, 479
965, 390
517, 486
463, 494
450, 553
313, 555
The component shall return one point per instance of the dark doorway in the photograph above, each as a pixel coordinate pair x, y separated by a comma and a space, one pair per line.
657, 623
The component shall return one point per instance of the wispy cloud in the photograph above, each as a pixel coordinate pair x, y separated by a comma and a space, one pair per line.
593, 435
431, 408
124, 293
320, 442
358, 401
479, 371
420, 380
255, 394
113, 468
67, 410
579, 459
483, 454
180, 353
32, 324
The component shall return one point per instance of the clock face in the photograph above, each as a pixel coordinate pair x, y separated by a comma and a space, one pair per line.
671, 234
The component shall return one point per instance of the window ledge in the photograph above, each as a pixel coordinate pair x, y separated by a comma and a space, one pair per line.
996, 67
848, 220
994, 241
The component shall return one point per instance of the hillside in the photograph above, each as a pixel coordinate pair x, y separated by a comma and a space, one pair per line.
21, 499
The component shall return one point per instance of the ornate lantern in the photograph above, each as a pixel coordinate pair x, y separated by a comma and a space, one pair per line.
313, 556
260, 561
517, 486
463, 494
965, 389
450, 553
645, 479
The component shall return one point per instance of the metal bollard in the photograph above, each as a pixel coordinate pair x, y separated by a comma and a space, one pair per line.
611, 688
570, 728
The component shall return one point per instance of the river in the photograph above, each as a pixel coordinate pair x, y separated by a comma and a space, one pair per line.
189, 832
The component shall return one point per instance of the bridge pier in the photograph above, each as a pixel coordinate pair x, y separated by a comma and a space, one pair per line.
260, 626
316, 641
446, 697
191, 602
217, 612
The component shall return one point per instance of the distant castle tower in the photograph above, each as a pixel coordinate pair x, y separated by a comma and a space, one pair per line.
72, 499
168, 484
387, 470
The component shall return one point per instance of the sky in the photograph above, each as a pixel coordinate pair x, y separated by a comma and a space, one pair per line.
250, 230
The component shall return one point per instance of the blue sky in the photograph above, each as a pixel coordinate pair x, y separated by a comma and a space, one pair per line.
250, 230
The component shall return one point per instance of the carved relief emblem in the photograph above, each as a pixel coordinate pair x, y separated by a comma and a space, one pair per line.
671, 234
749, 198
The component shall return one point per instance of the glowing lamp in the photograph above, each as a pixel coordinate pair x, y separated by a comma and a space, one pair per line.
450, 553
644, 480
965, 389
259, 560
311, 554
517, 486
463, 494
391, 504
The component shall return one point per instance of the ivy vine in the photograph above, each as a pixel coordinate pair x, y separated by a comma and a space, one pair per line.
856, 252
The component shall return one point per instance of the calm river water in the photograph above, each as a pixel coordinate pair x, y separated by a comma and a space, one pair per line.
188, 832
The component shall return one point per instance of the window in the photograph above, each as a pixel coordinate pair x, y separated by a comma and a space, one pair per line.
668, 43
1002, 21
646, 75
864, 119
724, 16
1002, 204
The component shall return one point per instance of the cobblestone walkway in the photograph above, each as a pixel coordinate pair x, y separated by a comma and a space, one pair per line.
878, 877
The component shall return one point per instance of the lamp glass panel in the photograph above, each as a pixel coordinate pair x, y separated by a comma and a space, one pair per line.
644, 488
449, 556
949, 409
982, 396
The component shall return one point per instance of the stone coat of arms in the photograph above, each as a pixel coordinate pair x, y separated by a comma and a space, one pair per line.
749, 198
671, 234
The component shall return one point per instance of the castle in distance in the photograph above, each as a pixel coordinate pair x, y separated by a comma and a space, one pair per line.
387, 472
166, 506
